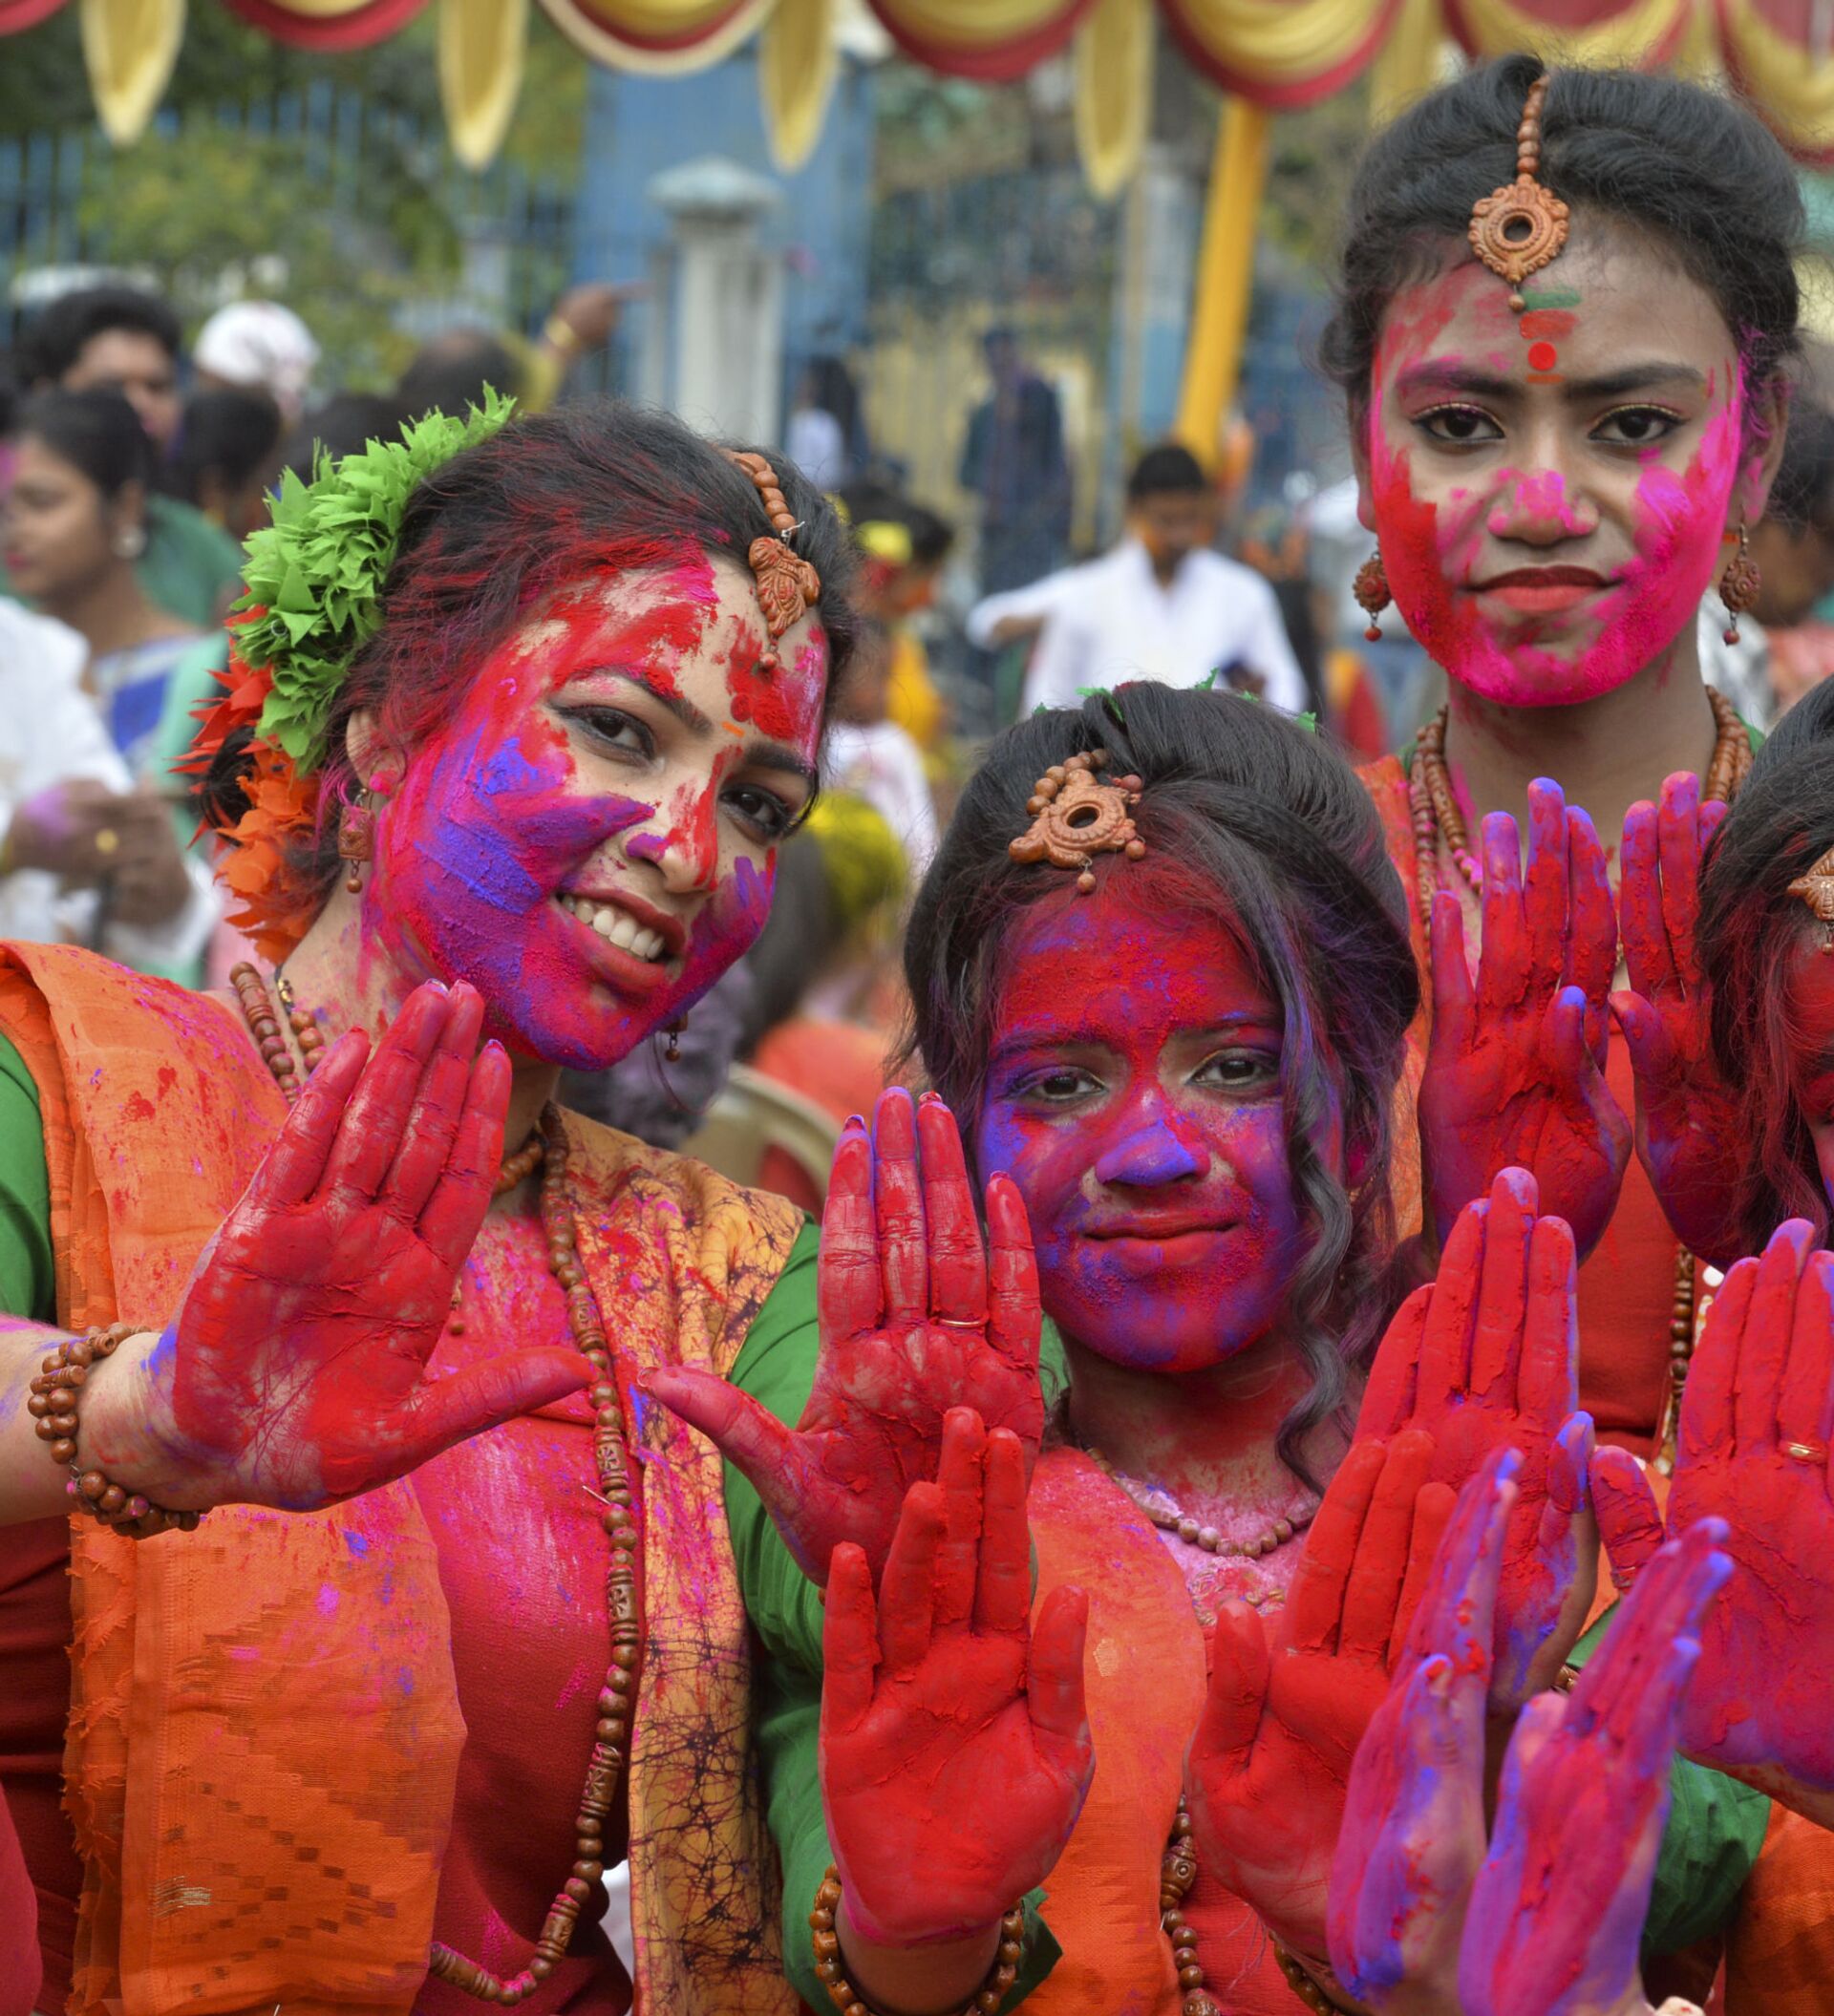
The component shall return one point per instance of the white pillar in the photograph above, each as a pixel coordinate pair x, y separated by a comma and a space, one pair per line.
723, 345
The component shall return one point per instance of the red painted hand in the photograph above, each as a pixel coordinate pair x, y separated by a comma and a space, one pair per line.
1558, 1909
294, 1372
1688, 1134
1485, 1358
1267, 1769
916, 1318
1762, 1385
1413, 1834
954, 1751
1515, 1068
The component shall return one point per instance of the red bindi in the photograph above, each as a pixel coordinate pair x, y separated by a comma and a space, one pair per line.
1542, 356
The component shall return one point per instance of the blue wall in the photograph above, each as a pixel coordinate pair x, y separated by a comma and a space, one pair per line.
639, 126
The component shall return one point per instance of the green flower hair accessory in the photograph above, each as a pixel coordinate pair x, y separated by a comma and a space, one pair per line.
314, 574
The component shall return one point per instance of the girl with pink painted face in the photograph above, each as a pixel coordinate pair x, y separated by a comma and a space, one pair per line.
1180, 1081
1556, 466
315, 1272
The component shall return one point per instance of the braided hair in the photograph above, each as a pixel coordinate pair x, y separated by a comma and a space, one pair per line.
1254, 822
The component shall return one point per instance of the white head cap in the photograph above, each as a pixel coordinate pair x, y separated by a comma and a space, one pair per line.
259, 345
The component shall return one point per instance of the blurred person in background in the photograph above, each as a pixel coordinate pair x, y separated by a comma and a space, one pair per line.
76, 530
825, 436
1780, 651
867, 754
343, 424
449, 371
1162, 605
1014, 459
223, 458
120, 339
819, 1020
85, 857
662, 1098
903, 545
257, 347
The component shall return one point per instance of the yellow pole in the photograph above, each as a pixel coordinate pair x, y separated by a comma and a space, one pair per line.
1408, 63
1224, 277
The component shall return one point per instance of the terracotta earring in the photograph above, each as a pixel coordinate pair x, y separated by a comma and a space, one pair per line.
356, 843
1371, 592
1740, 584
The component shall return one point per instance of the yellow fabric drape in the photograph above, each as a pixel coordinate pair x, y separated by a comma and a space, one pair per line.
625, 34
1114, 54
320, 9
1224, 277
129, 48
797, 61
482, 44
1793, 88
1282, 46
1409, 63
1644, 33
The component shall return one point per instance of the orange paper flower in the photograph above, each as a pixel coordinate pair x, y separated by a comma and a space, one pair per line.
275, 910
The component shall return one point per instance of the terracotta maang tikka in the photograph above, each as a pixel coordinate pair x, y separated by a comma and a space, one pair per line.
1077, 815
788, 586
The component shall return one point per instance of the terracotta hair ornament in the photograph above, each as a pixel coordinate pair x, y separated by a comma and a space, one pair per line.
1077, 816
787, 585
1517, 229
1816, 889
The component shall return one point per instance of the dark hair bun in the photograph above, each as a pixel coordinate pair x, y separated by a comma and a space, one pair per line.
1688, 164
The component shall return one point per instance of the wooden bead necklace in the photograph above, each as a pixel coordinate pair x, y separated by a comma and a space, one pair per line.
610, 1460
1194, 1534
1435, 815
1435, 807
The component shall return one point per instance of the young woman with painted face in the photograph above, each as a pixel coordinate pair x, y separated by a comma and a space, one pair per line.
1182, 1077
1552, 489
450, 1569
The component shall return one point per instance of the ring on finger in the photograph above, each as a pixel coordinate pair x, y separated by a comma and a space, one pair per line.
961, 1323
1807, 1452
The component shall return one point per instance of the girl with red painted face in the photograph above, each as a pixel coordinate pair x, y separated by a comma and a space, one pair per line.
527, 732
1180, 1081
1556, 468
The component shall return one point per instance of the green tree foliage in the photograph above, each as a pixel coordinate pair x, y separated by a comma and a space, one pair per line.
348, 234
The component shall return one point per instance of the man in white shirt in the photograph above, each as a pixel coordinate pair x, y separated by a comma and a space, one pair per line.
1162, 606
70, 817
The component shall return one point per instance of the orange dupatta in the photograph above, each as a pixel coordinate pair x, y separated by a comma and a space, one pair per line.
264, 1733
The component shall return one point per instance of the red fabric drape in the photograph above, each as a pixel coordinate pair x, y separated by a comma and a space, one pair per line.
372, 21
1044, 28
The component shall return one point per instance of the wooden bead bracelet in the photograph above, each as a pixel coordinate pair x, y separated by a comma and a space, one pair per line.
846, 1998
52, 1406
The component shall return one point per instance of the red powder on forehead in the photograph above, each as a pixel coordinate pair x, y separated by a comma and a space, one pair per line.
782, 702
1542, 323
757, 689
671, 627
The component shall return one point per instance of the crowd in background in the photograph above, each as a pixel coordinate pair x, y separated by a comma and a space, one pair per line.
133, 467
